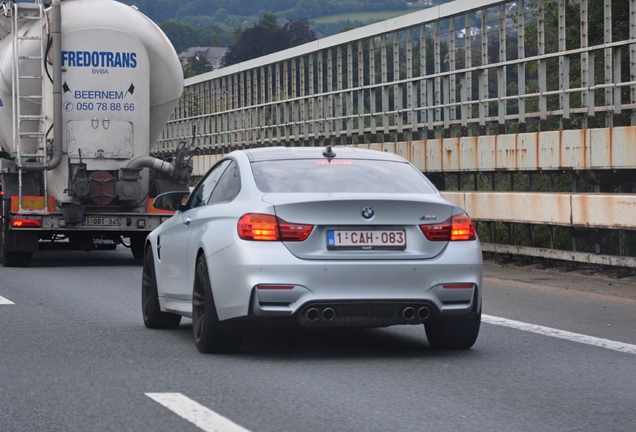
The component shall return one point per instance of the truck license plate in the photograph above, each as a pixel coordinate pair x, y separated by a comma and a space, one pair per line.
97, 221
366, 239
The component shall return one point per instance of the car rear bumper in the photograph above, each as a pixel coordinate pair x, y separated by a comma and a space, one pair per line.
266, 280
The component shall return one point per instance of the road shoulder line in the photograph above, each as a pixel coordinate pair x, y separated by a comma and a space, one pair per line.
561, 334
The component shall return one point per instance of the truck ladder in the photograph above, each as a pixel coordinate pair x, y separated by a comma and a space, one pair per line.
29, 52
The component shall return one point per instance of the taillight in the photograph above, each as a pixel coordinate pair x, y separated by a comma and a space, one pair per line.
462, 228
294, 232
457, 228
260, 227
20, 221
437, 232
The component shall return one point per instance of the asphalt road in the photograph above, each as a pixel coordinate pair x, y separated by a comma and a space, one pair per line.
75, 356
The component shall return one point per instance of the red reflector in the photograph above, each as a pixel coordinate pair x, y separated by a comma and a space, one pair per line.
260, 227
24, 222
457, 228
459, 286
275, 287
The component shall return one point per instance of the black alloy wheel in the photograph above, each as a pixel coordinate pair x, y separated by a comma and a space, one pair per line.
211, 336
154, 318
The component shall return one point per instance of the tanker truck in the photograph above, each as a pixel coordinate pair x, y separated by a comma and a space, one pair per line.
86, 87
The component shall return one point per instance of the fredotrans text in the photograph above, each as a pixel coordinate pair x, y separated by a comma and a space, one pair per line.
99, 59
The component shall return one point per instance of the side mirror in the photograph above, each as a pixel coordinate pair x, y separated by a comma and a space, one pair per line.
171, 201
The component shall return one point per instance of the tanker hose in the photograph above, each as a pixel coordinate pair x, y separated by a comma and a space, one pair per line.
58, 131
152, 162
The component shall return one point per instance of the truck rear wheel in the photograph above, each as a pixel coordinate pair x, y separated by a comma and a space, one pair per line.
9, 258
137, 244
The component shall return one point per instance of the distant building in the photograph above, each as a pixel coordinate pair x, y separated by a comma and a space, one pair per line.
425, 2
213, 54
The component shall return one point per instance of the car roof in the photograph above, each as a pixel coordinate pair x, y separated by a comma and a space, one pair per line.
286, 153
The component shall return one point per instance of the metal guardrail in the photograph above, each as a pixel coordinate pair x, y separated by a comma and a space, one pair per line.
472, 86
464, 68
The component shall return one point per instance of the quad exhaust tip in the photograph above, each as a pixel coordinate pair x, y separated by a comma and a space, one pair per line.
328, 314
313, 314
408, 313
423, 313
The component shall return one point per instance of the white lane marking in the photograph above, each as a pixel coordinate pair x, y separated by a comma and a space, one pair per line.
561, 334
4, 301
200, 416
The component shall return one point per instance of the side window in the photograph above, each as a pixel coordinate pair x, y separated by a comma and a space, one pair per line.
228, 185
203, 192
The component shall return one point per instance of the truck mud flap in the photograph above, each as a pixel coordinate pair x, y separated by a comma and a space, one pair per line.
22, 241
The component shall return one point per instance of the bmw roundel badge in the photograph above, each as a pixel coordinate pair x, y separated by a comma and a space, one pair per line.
367, 212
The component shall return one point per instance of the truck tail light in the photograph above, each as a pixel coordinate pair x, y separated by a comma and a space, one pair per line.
260, 227
457, 228
20, 221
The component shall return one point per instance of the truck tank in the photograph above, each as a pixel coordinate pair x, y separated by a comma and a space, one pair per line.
123, 49
120, 80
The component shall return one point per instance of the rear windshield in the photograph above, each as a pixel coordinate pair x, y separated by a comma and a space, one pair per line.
358, 176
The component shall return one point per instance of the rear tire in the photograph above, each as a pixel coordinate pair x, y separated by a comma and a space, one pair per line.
154, 318
11, 259
137, 244
211, 336
453, 332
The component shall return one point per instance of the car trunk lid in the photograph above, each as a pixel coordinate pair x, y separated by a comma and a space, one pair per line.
363, 226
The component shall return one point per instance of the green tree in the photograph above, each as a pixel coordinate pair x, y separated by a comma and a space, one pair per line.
197, 65
184, 36
180, 34
269, 20
267, 37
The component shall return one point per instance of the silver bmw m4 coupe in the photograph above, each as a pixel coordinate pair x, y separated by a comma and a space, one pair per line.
326, 237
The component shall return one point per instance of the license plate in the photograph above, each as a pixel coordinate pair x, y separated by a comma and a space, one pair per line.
97, 221
366, 239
